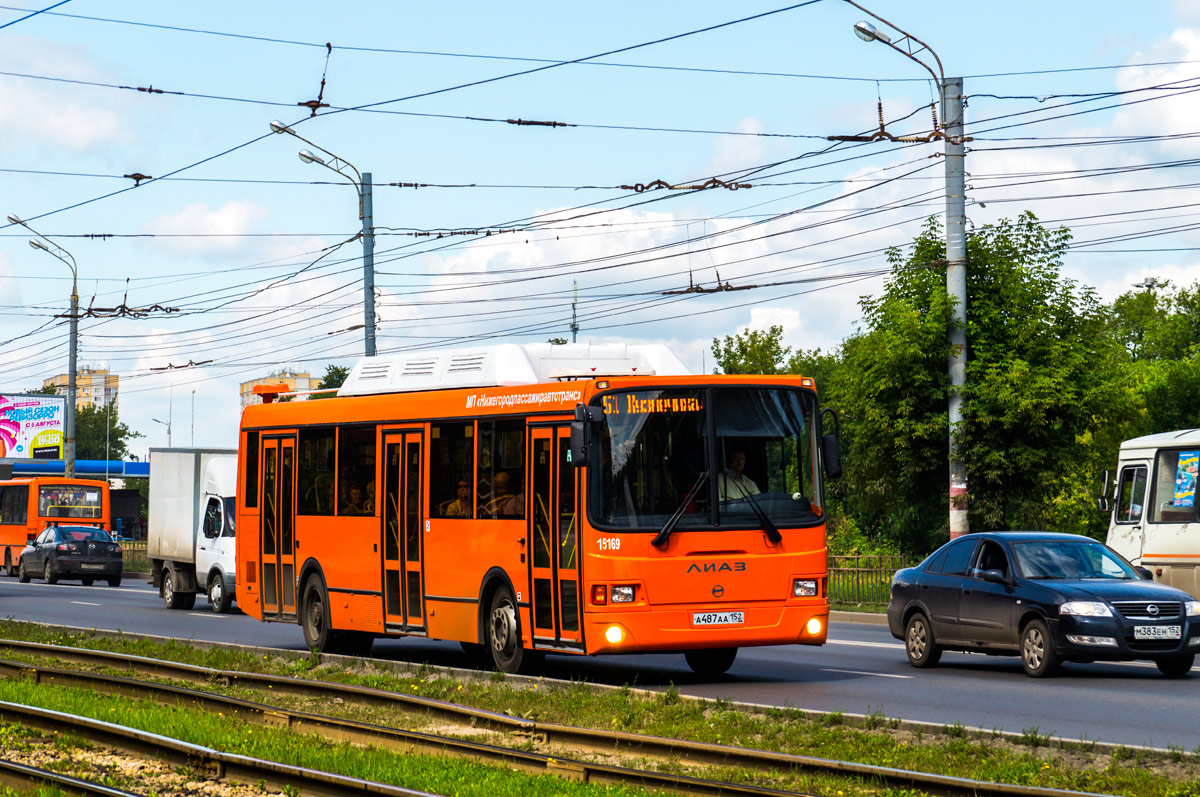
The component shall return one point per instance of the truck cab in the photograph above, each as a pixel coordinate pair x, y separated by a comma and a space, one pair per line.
1153, 518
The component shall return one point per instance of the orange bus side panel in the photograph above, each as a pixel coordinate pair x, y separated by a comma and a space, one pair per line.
458, 554
347, 549
248, 563
459, 621
356, 612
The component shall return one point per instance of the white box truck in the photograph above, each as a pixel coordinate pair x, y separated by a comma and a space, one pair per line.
1154, 520
190, 535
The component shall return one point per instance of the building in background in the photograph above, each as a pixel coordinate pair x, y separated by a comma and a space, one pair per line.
94, 386
293, 378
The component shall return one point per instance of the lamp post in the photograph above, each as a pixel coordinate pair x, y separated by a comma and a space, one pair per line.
956, 244
46, 245
168, 425
362, 184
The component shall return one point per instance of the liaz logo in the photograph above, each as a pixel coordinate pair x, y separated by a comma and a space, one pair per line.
717, 567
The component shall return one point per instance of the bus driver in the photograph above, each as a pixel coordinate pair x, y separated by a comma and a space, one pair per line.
733, 484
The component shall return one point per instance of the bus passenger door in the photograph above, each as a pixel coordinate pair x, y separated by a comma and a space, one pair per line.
277, 545
553, 532
403, 532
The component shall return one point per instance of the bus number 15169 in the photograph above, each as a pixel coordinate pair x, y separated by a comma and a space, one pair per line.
609, 543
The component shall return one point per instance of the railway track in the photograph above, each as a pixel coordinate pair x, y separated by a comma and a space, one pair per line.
560, 737
23, 777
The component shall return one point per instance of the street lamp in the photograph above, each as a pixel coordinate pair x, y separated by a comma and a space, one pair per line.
168, 425
362, 184
46, 245
956, 243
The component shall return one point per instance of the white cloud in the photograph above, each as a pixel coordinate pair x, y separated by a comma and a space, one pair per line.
47, 116
218, 229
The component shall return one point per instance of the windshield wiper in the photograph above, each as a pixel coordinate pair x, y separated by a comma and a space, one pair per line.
772, 532
664, 534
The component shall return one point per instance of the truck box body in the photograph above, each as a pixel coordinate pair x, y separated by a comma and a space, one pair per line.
183, 483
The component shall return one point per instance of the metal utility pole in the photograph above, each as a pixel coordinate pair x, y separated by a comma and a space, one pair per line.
362, 184
574, 299
956, 243
46, 245
956, 288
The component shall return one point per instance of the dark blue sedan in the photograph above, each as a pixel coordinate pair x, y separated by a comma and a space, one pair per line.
1045, 597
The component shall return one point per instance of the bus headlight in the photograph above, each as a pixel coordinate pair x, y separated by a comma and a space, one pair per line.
623, 594
804, 587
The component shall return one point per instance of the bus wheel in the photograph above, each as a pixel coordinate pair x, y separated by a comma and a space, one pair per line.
22, 574
314, 617
9, 568
218, 598
712, 661
504, 633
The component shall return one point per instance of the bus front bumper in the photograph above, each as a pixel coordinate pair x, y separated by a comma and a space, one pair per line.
692, 627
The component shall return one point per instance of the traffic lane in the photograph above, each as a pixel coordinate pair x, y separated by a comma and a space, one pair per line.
861, 670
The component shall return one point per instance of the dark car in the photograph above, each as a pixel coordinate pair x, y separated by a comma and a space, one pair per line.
83, 552
1046, 597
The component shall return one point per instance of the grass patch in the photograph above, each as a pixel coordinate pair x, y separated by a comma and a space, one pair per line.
1025, 760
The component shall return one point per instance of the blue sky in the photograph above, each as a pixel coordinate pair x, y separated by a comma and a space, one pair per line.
234, 240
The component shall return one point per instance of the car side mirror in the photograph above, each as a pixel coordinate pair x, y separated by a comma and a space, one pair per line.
1145, 573
994, 576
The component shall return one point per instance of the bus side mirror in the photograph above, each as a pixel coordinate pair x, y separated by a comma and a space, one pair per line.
1102, 502
582, 429
832, 450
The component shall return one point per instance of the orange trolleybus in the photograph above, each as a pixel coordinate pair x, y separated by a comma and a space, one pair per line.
527, 499
29, 505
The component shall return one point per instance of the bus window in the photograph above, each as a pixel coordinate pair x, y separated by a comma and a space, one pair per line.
14, 505
1175, 487
501, 468
451, 457
69, 501
314, 472
356, 470
250, 488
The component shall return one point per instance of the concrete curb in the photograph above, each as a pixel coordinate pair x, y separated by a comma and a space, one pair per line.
862, 618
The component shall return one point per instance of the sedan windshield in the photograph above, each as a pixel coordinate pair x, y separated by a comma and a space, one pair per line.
707, 457
1071, 560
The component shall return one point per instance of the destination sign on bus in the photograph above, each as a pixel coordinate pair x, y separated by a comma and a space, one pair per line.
642, 404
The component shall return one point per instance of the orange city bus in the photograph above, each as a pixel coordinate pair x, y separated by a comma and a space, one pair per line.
525, 499
29, 505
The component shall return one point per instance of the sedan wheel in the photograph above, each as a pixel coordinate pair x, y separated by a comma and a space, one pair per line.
919, 644
1038, 656
22, 574
48, 574
1176, 666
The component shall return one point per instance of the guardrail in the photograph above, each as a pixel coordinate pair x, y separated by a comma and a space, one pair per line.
135, 559
862, 580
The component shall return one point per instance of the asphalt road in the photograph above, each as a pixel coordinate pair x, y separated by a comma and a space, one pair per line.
861, 670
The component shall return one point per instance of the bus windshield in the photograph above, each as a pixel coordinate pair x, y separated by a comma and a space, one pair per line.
738, 452
70, 501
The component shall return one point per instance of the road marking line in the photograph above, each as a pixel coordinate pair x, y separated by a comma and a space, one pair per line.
860, 672
210, 614
85, 603
888, 645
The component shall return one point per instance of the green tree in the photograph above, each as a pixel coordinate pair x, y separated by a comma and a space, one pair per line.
335, 377
752, 352
1044, 389
100, 434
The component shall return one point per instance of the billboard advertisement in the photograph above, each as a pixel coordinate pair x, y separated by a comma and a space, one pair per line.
31, 427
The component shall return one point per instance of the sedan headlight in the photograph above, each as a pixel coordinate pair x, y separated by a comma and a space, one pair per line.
1086, 609
1192, 608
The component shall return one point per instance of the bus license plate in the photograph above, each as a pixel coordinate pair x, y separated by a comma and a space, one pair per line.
718, 618
1157, 631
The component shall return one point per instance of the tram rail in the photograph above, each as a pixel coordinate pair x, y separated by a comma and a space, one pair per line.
583, 740
24, 777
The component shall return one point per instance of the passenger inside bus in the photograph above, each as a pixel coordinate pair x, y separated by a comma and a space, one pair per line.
356, 502
733, 484
505, 500
460, 505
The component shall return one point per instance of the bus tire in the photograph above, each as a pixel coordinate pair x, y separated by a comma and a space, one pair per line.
711, 662
22, 573
314, 616
48, 574
171, 598
218, 599
504, 634
9, 568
